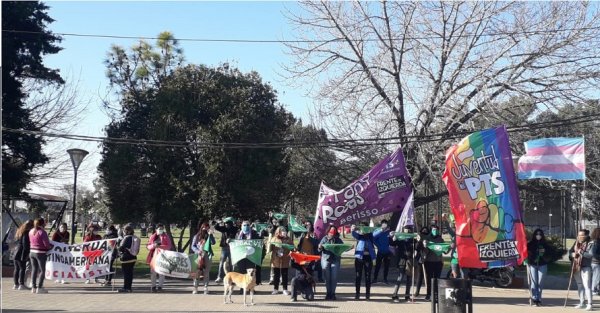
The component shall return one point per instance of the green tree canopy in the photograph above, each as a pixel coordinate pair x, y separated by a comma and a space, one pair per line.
25, 40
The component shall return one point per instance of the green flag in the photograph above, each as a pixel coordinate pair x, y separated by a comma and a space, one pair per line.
451, 218
246, 249
438, 248
194, 262
337, 248
260, 227
280, 216
296, 226
208, 248
405, 236
283, 245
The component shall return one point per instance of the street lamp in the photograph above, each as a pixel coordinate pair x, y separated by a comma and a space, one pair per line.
536, 216
549, 223
77, 156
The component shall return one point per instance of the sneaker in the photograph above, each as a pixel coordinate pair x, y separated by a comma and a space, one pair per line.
33, 289
107, 284
153, 290
205, 291
21, 287
42, 290
271, 282
218, 280
159, 289
16, 287
385, 281
588, 307
123, 290
87, 281
357, 297
57, 281
62, 281
275, 292
579, 306
285, 292
195, 292
538, 303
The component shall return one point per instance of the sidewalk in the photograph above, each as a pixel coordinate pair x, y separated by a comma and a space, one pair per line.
178, 297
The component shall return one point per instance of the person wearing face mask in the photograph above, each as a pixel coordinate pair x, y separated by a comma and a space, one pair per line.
363, 260
246, 233
433, 263
581, 257
159, 240
280, 260
537, 262
111, 233
202, 245
330, 263
419, 260
92, 235
272, 228
381, 238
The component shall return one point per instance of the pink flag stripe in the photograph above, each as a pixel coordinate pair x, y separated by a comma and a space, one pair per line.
553, 159
558, 168
556, 150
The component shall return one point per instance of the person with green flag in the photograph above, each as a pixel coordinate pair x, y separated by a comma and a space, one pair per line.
432, 256
404, 244
228, 232
330, 261
202, 246
241, 266
281, 245
363, 258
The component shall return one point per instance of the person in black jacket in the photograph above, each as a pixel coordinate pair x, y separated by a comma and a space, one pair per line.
537, 263
127, 258
303, 283
111, 233
228, 232
22, 254
404, 251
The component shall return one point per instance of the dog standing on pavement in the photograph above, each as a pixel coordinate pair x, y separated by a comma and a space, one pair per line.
245, 281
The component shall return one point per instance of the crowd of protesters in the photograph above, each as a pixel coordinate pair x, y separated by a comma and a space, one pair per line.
375, 251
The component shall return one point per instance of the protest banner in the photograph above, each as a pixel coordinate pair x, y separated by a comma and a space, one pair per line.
79, 262
385, 188
250, 249
171, 263
483, 194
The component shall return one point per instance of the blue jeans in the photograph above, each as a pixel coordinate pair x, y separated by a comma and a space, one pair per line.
225, 257
331, 276
536, 280
595, 277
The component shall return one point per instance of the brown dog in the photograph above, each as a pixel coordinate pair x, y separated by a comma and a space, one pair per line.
245, 281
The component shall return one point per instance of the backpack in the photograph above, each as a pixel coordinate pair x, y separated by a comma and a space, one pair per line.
135, 245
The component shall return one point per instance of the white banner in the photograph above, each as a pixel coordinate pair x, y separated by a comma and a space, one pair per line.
81, 261
171, 263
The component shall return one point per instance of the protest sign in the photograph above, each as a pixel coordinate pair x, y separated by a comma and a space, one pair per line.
79, 262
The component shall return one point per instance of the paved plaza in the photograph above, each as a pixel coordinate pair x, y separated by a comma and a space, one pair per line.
178, 297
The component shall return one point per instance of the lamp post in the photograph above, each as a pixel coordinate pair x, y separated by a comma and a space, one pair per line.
536, 216
549, 223
77, 156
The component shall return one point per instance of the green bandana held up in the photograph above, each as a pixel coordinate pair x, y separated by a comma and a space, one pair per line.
438, 248
337, 248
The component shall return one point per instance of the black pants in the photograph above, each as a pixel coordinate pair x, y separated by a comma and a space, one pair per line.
432, 270
280, 274
401, 275
111, 269
38, 261
414, 277
19, 274
127, 275
319, 270
365, 264
385, 258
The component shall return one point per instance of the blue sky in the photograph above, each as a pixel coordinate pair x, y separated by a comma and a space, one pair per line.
82, 57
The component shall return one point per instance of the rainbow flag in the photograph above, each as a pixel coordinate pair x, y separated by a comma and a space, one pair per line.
483, 194
553, 158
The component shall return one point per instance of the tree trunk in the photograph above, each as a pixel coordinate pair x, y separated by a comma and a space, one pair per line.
168, 229
179, 248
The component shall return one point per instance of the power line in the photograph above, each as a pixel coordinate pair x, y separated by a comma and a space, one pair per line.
283, 41
347, 143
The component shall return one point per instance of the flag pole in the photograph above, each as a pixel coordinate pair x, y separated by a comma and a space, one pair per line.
583, 190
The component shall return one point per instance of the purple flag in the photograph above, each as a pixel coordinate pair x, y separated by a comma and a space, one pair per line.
408, 215
383, 189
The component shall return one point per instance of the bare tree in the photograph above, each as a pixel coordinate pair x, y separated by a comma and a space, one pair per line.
56, 109
381, 69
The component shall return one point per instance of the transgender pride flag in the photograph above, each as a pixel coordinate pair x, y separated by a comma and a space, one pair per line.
553, 158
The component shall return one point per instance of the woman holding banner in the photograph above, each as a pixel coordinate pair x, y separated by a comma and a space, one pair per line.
280, 259
39, 246
158, 240
92, 235
111, 233
330, 262
202, 246
247, 233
